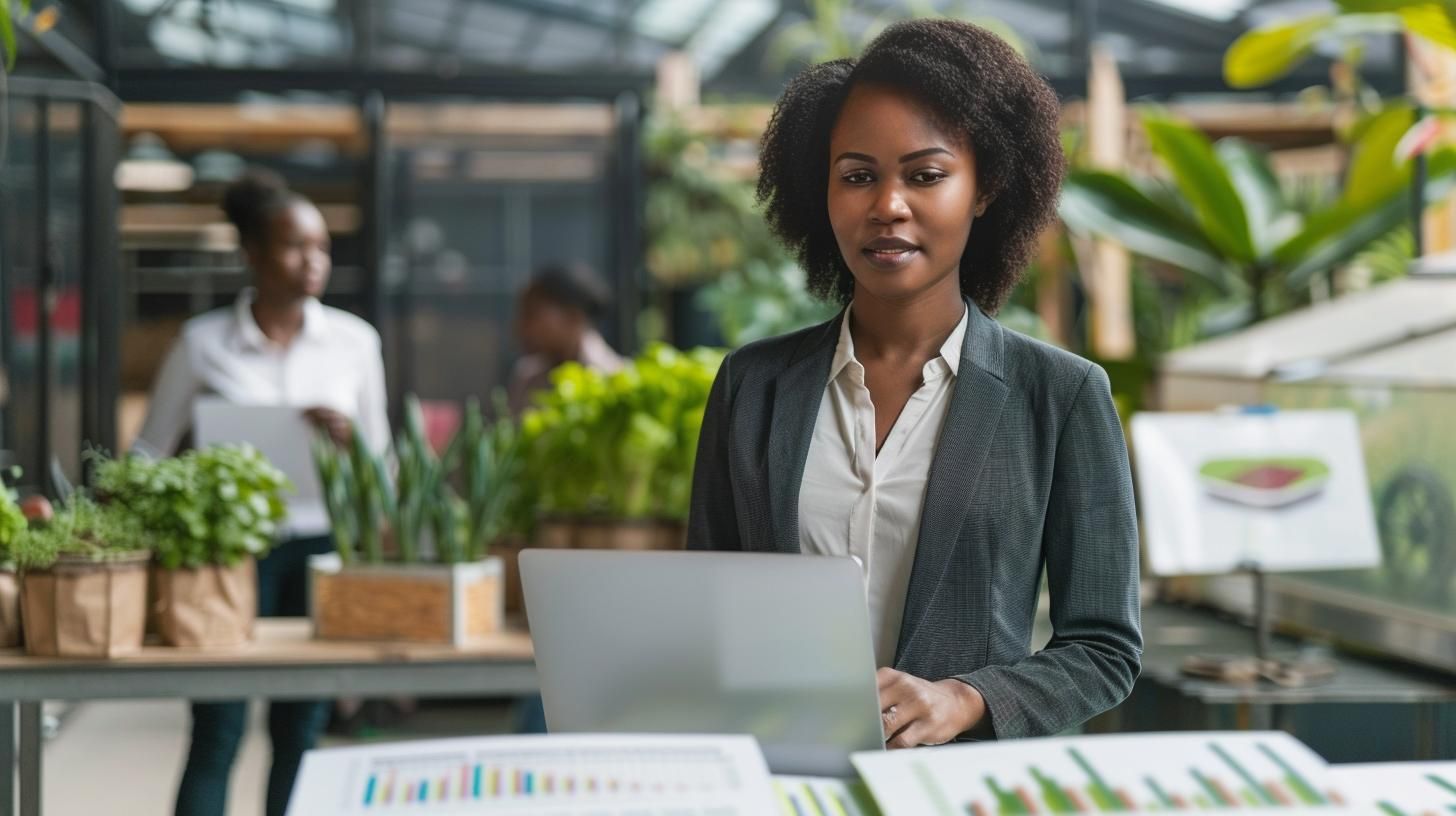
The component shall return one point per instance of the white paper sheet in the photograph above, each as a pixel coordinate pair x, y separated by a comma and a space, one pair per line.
1400, 788
563, 775
283, 435
1172, 772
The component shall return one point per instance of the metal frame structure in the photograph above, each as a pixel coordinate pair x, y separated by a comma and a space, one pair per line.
97, 278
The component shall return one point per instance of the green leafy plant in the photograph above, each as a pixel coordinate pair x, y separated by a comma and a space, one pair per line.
762, 300
12, 521
701, 221
81, 529
1225, 219
486, 456
619, 445
214, 506
1269, 52
418, 511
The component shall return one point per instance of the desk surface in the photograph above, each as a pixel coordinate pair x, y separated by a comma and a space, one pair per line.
283, 661
1172, 633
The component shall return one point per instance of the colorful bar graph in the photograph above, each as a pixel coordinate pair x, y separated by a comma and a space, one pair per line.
1256, 791
1100, 791
1302, 789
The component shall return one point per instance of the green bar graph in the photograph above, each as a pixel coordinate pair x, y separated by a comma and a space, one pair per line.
1302, 789
1442, 782
1262, 795
860, 792
1163, 798
1007, 802
1056, 799
1100, 791
1212, 790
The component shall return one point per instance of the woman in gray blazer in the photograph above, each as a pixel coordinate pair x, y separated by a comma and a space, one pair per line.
952, 457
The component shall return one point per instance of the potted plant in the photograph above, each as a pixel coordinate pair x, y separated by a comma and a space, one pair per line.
84, 581
610, 457
12, 525
209, 515
411, 558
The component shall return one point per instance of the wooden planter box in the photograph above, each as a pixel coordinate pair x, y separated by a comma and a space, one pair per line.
86, 608
209, 607
9, 609
427, 603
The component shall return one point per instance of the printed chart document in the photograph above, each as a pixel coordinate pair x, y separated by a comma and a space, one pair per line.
560, 775
284, 436
1270, 771
823, 796
1400, 788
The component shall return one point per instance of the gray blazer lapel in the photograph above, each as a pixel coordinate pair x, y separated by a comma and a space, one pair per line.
965, 441
797, 392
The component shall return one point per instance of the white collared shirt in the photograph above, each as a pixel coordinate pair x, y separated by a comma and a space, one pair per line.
854, 503
334, 362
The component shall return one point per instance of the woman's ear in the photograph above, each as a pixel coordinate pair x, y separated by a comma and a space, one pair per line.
983, 202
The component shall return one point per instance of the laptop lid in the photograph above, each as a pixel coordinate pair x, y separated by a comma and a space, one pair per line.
773, 645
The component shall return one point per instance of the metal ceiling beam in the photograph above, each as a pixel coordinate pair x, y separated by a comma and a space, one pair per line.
224, 84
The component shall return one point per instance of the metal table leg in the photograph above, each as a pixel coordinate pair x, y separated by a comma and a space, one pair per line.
32, 743
7, 758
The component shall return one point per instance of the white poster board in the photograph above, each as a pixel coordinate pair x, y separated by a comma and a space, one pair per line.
1284, 490
280, 433
1266, 772
1398, 788
561, 775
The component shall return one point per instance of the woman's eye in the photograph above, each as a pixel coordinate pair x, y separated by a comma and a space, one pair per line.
927, 176
858, 177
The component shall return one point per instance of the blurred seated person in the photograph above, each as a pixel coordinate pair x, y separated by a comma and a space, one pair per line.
556, 320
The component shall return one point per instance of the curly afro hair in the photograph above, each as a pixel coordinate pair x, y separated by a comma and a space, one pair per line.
975, 85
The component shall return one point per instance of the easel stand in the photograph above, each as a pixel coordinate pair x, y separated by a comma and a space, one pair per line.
1293, 672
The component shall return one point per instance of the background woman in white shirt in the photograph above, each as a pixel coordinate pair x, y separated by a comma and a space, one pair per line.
277, 345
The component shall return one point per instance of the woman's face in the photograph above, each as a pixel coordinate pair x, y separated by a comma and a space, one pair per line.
902, 195
294, 259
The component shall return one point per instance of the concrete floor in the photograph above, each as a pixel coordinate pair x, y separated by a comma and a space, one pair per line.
124, 759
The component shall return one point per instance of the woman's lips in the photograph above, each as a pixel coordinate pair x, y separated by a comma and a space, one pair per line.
891, 258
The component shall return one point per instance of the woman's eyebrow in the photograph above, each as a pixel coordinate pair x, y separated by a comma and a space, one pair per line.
908, 157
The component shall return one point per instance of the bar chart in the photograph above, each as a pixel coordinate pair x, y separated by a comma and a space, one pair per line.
818, 796
719, 776
1401, 788
1111, 774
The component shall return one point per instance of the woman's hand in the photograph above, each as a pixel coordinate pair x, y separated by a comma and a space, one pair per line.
339, 427
919, 712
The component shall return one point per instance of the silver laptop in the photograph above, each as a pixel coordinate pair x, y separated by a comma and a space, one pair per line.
777, 646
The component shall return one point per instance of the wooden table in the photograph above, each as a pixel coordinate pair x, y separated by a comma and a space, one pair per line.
282, 663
